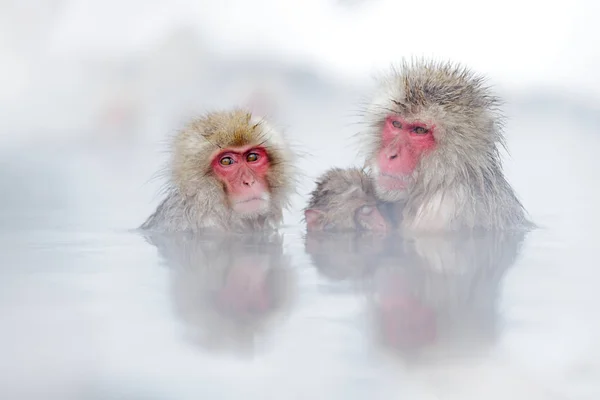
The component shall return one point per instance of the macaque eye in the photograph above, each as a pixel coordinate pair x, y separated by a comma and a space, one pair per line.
419, 130
397, 124
366, 210
252, 157
226, 161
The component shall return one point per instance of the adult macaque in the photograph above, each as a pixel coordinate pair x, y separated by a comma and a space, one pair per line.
344, 200
229, 171
227, 289
432, 142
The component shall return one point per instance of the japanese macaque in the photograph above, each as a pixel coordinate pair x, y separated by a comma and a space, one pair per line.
228, 289
432, 142
229, 171
344, 200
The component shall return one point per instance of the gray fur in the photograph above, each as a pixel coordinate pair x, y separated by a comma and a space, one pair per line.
196, 200
460, 184
339, 194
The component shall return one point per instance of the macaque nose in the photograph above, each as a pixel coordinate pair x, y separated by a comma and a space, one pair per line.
392, 153
248, 180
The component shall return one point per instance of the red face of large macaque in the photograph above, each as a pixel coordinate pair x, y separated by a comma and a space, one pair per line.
243, 171
403, 144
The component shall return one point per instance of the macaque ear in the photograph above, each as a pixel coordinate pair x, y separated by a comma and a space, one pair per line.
314, 220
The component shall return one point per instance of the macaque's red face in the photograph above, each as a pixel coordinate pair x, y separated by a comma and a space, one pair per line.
403, 145
243, 171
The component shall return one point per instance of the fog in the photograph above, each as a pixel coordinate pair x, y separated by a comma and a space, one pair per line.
91, 309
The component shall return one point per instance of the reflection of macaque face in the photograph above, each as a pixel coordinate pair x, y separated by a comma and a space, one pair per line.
407, 322
438, 293
227, 288
246, 288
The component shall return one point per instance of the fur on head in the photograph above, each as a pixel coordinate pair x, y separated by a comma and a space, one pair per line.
196, 199
459, 184
341, 194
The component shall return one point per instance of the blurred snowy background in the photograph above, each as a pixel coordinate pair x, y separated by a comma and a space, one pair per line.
90, 91
104, 75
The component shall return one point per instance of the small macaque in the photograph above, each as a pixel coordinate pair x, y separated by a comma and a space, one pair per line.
229, 171
432, 142
344, 200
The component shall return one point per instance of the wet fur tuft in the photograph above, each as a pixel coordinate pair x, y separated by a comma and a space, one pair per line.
339, 193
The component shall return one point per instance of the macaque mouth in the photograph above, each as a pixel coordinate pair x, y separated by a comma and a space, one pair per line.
251, 205
393, 182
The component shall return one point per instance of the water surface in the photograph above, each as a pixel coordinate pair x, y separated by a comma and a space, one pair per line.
92, 309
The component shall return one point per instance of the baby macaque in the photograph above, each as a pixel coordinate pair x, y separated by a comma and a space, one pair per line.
344, 200
433, 138
229, 171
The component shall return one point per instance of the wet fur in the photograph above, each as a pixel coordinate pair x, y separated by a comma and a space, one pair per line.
460, 184
339, 194
196, 199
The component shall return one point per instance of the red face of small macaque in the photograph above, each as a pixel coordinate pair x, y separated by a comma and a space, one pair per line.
243, 170
404, 143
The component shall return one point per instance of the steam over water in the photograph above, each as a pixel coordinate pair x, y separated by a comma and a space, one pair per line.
90, 308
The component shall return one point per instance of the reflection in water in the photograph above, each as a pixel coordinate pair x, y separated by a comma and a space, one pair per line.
428, 296
226, 287
344, 255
